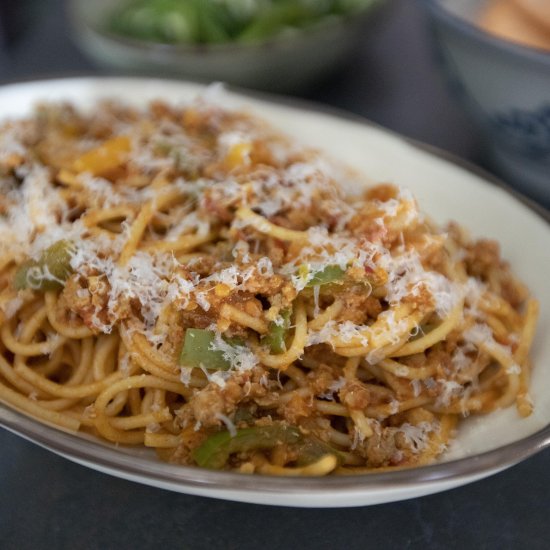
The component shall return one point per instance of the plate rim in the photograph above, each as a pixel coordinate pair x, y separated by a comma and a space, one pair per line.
106, 458
103, 456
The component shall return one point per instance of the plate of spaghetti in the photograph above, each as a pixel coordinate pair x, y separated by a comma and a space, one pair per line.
227, 296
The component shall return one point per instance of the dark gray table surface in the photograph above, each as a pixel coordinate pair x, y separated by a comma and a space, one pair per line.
48, 502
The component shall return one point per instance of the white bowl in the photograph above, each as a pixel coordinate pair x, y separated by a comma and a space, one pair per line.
286, 63
445, 190
504, 86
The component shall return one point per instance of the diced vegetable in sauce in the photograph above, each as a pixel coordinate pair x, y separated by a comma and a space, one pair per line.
50, 271
197, 351
105, 157
312, 449
216, 450
330, 274
275, 337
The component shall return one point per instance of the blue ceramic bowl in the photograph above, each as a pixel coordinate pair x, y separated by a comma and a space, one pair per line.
504, 86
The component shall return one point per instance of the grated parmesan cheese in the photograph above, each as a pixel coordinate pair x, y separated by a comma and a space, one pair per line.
231, 428
241, 358
418, 437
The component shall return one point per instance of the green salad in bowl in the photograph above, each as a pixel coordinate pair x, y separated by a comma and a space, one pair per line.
220, 21
275, 45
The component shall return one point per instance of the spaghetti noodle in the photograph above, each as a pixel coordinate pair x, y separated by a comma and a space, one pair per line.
186, 279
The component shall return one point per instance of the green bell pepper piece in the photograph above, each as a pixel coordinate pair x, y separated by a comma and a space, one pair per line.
312, 449
216, 450
329, 274
50, 271
275, 337
197, 351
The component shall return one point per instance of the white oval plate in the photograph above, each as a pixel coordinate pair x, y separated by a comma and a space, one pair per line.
445, 190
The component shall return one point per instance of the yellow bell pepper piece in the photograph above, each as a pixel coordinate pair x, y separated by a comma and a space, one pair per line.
104, 158
238, 154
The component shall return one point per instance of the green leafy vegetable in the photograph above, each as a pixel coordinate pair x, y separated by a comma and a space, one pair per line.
221, 21
170, 21
278, 16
